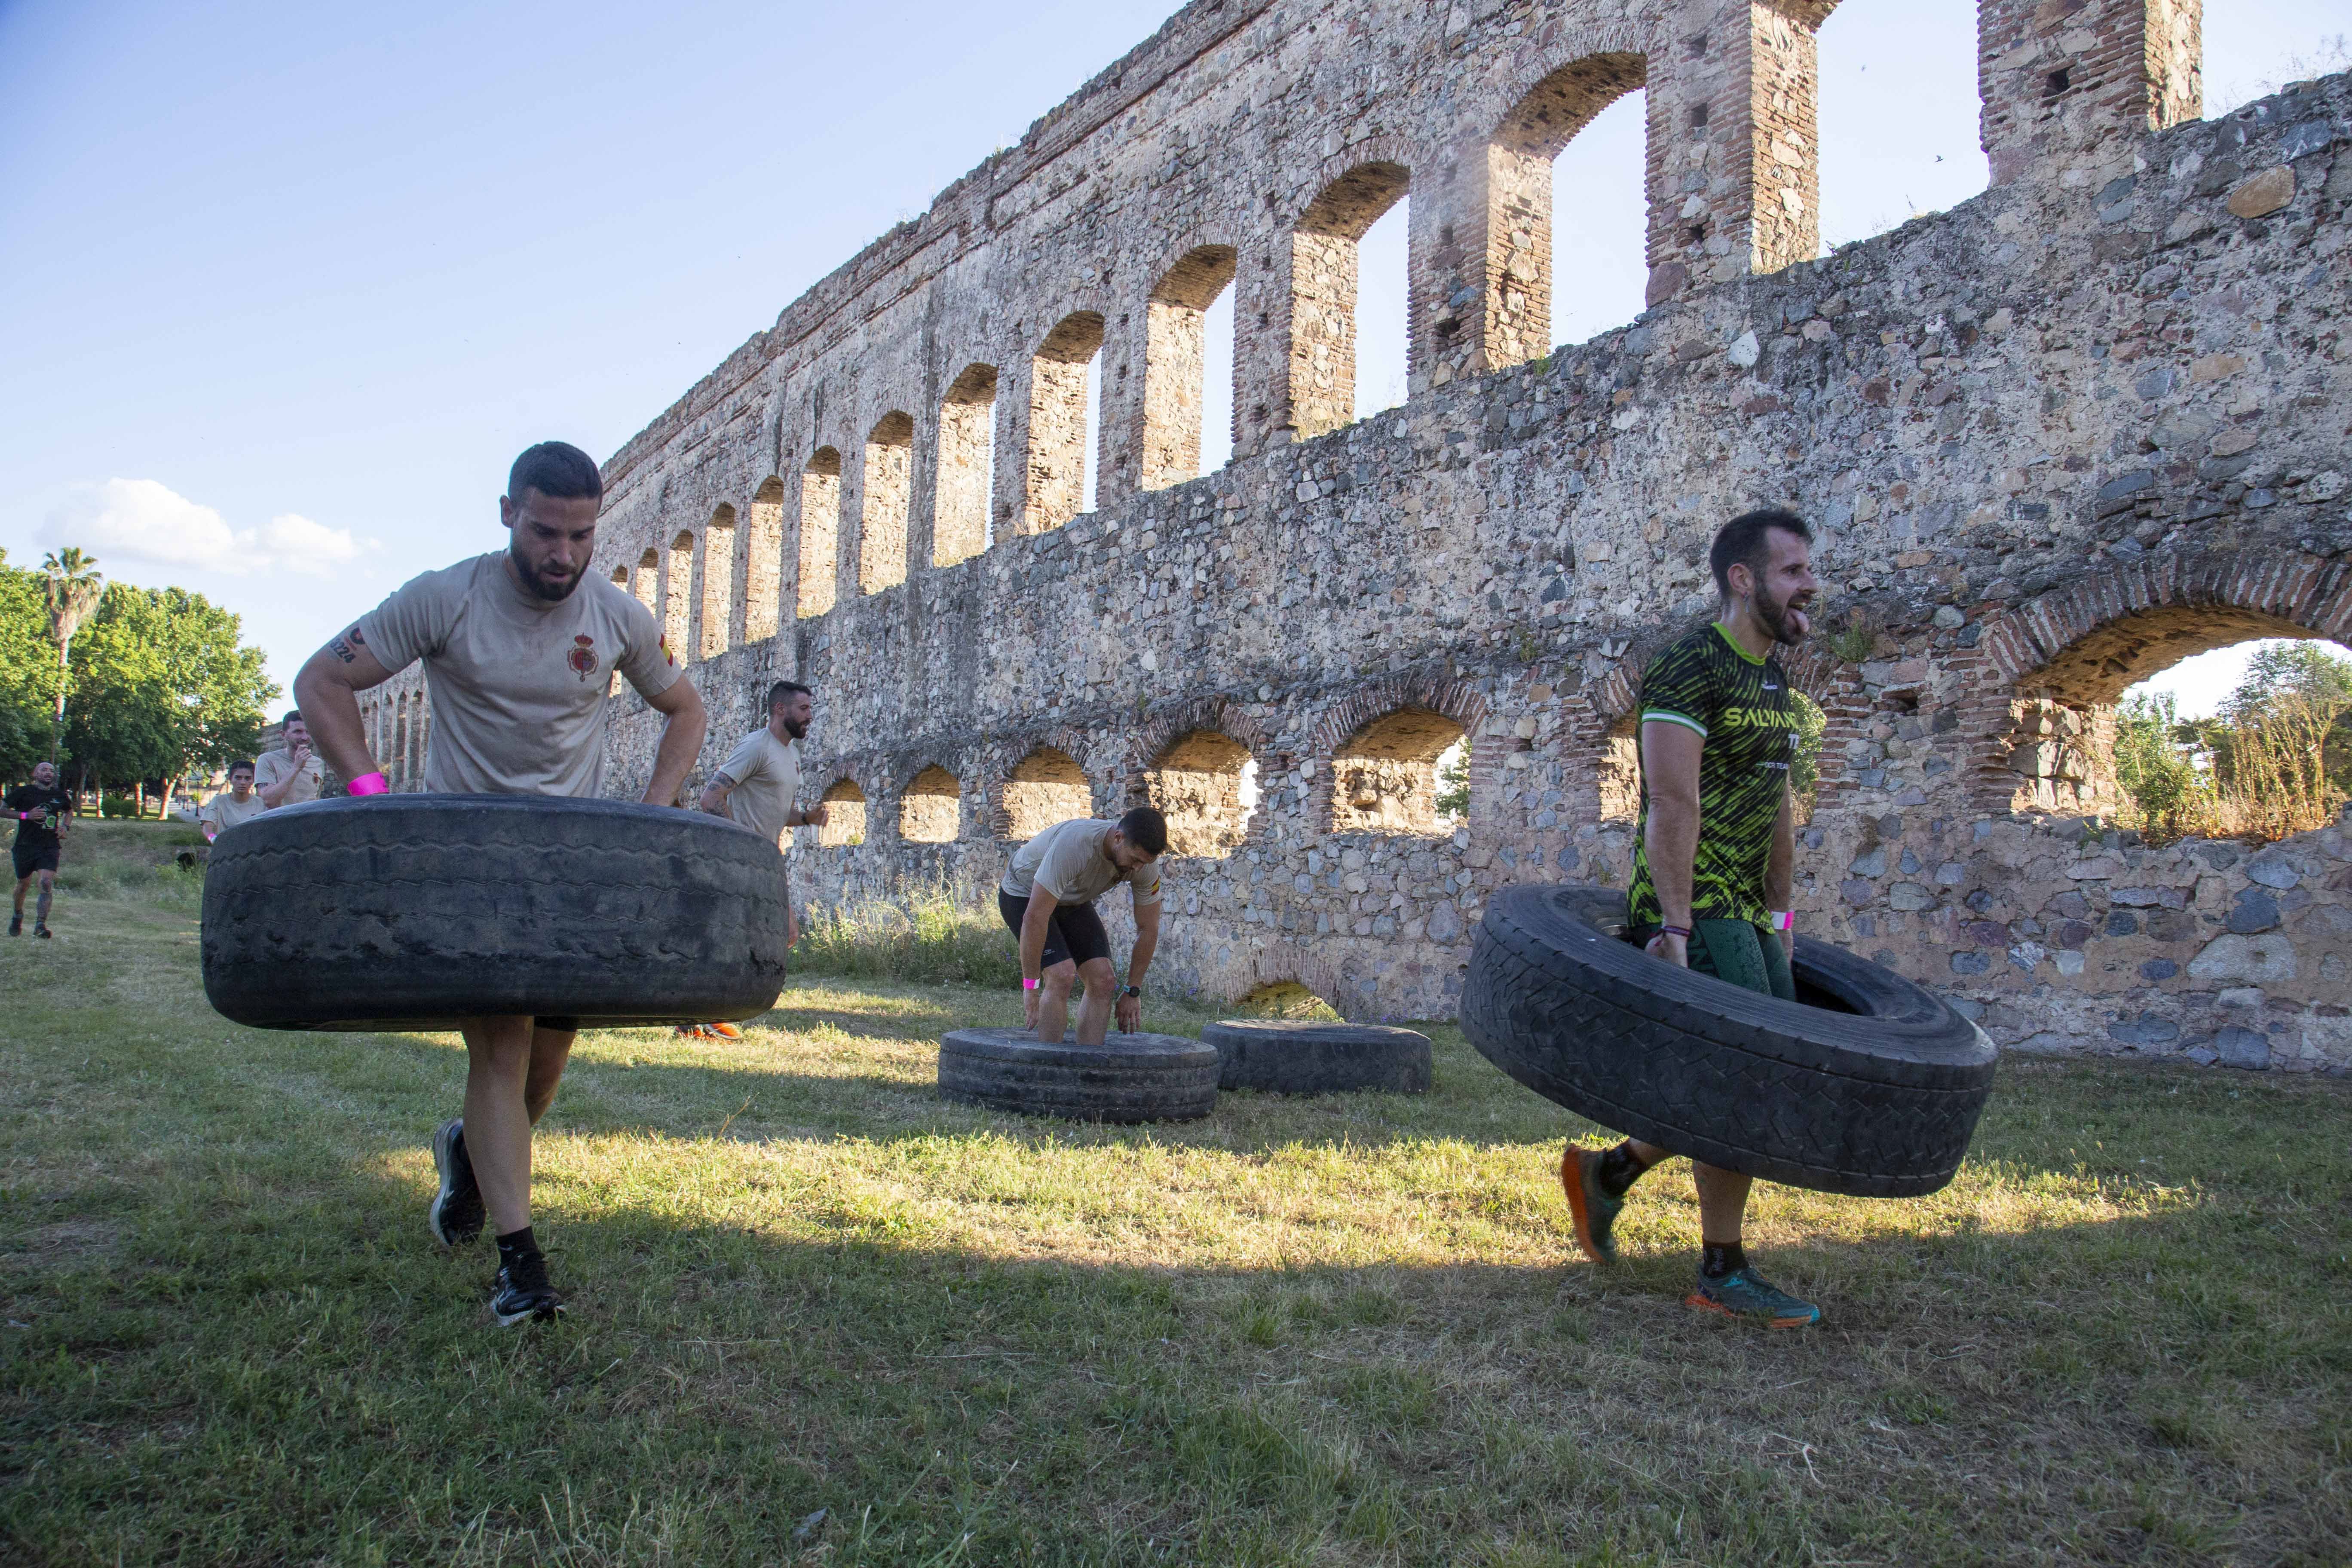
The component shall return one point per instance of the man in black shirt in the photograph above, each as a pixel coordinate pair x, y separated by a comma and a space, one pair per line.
40, 810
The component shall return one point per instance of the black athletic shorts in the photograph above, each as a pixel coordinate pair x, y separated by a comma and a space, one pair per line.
32, 858
1075, 934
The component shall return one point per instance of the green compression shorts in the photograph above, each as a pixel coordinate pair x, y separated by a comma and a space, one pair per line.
1745, 955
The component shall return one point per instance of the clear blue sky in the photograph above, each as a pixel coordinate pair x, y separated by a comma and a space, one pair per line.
284, 287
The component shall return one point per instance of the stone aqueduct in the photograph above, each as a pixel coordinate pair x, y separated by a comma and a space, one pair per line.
2088, 422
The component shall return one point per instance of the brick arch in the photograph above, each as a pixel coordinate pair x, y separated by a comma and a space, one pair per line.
2041, 724
1456, 699
1172, 722
1069, 743
2111, 628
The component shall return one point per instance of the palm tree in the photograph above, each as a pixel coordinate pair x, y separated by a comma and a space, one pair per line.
72, 582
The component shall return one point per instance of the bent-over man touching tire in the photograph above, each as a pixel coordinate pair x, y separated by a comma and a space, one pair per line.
1048, 898
1714, 861
519, 647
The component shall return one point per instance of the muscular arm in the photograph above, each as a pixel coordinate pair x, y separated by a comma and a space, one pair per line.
275, 796
681, 740
1670, 757
1036, 922
1780, 871
1147, 941
327, 690
715, 794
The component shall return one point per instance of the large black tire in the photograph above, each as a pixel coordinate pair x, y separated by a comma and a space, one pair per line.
412, 911
1290, 1057
1128, 1077
1868, 1085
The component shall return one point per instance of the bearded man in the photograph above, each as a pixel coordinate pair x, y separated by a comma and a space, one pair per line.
1713, 863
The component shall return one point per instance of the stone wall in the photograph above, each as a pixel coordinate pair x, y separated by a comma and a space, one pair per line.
2083, 425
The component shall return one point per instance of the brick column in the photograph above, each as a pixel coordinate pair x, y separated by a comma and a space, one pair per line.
2062, 79
1734, 155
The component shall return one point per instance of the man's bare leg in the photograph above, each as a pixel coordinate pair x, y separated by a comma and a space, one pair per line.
1053, 1001
1102, 991
22, 883
41, 904
498, 1059
550, 1051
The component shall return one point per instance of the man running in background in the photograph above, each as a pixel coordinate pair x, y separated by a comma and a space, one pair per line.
41, 811
518, 649
1048, 897
759, 787
292, 773
227, 807
1713, 863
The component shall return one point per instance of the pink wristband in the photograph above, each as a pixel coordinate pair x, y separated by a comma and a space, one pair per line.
367, 783
1027, 984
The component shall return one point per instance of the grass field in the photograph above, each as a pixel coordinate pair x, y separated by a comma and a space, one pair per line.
819, 1317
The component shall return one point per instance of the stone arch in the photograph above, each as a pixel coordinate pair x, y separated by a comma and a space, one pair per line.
1517, 281
1384, 775
884, 504
931, 807
717, 582
1322, 370
648, 581
1056, 484
967, 470
845, 816
400, 741
1195, 782
820, 550
678, 597
763, 560
2044, 732
1173, 350
1043, 788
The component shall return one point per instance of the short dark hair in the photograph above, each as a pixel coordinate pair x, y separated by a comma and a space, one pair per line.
783, 689
240, 766
556, 469
1146, 829
292, 714
1740, 542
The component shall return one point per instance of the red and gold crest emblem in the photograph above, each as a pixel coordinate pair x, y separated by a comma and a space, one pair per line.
583, 656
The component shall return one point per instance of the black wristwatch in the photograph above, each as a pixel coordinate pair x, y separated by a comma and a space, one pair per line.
1131, 990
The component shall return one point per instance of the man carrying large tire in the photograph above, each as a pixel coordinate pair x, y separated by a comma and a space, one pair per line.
41, 811
1713, 863
758, 787
1048, 898
519, 647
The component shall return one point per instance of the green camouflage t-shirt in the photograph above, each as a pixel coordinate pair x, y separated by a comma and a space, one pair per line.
1742, 708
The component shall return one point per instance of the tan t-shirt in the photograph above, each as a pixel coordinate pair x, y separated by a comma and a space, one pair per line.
271, 766
517, 684
225, 811
765, 773
1067, 861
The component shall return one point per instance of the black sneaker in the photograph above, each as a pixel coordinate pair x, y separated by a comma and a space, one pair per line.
522, 1293
42, 932
15, 925
455, 1216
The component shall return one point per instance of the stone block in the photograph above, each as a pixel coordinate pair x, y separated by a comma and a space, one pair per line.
2264, 193
2261, 960
2247, 1049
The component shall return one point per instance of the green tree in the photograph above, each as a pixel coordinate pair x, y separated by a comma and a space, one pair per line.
2156, 763
28, 673
1453, 781
165, 688
72, 585
2295, 675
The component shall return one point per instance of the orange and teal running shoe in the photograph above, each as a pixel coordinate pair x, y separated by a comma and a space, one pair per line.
1744, 1293
1594, 1210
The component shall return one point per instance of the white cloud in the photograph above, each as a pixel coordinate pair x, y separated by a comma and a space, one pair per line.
146, 521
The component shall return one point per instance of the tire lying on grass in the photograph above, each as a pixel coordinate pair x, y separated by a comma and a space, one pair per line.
1128, 1077
1867, 1085
411, 912
1289, 1057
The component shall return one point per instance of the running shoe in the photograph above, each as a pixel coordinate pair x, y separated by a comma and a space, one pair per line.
1594, 1210
15, 925
41, 931
455, 1216
1744, 1293
710, 1031
522, 1293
